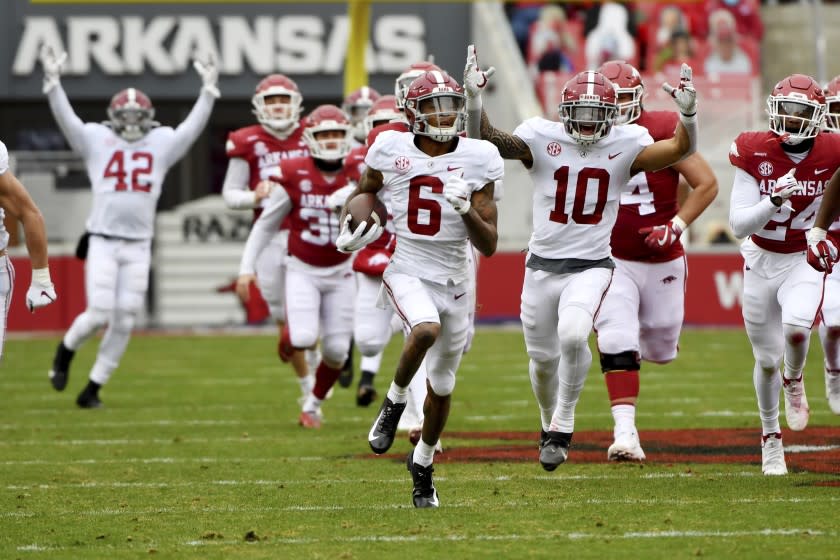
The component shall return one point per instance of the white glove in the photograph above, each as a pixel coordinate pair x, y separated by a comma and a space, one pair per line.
41, 291
52, 63
685, 96
338, 199
475, 80
209, 73
458, 193
349, 241
786, 186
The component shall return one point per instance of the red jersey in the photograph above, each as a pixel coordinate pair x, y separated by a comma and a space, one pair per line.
651, 200
313, 226
760, 154
264, 152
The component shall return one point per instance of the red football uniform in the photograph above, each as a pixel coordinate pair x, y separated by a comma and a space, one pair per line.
761, 155
651, 202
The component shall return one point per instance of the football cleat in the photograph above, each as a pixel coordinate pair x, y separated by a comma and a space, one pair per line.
89, 397
310, 419
626, 447
832, 391
345, 379
773, 455
796, 404
365, 395
554, 449
384, 429
61, 367
424, 494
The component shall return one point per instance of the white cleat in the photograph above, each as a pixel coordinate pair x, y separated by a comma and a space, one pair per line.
796, 403
773, 455
626, 447
832, 391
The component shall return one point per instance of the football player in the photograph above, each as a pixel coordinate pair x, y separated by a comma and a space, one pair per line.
579, 167
780, 177
642, 312
127, 158
441, 195
319, 279
357, 105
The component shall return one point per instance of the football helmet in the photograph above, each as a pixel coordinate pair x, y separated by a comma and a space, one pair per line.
628, 83
279, 116
434, 106
131, 114
588, 107
383, 111
832, 105
796, 107
412, 73
357, 105
328, 118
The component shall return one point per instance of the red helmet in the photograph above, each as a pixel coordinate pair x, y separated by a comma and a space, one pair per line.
796, 108
282, 116
588, 107
627, 81
326, 118
357, 105
832, 104
383, 111
131, 114
436, 95
412, 73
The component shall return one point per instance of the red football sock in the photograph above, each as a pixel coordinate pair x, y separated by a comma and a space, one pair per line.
622, 385
325, 378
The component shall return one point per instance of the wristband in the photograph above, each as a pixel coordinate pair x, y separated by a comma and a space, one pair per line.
41, 276
680, 223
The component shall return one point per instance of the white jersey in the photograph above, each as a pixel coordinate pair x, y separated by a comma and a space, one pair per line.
4, 167
430, 233
576, 196
126, 177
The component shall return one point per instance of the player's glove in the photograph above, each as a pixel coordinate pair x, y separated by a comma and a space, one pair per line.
822, 254
349, 241
685, 96
52, 63
41, 291
665, 235
475, 79
786, 186
264, 189
338, 199
458, 193
209, 72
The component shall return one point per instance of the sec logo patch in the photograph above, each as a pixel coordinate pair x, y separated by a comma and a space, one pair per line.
553, 149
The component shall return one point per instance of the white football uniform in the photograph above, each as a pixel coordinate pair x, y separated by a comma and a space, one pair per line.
7, 271
428, 279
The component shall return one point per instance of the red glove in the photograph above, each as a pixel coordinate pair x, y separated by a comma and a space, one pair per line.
822, 254
665, 235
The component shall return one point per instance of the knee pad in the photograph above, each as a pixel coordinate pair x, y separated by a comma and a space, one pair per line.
99, 317
334, 348
575, 324
545, 367
303, 338
623, 361
442, 383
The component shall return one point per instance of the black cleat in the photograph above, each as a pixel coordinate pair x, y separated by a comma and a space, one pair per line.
424, 493
554, 449
345, 379
384, 429
61, 367
89, 397
365, 395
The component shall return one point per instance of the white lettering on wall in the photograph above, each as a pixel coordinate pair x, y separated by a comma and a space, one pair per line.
730, 288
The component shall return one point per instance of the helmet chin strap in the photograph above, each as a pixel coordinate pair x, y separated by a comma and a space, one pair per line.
796, 145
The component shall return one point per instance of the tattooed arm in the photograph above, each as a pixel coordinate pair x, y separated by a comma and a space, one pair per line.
481, 220
510, 146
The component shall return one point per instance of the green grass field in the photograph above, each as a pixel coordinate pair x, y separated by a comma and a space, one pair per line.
197, 454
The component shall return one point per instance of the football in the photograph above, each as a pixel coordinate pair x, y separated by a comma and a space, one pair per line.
366, 207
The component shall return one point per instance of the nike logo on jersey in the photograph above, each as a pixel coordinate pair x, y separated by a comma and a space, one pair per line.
613, 156
459, 296
450, 168
669, 279
820, 171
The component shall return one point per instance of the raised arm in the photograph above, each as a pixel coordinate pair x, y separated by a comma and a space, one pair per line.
188, 131
70, 124
510, 146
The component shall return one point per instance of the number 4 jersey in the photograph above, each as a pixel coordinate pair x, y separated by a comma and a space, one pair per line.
431, 235
576, 193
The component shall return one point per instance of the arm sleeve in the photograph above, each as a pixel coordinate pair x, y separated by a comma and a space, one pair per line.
188, 131
279, 206
235, 189
748, 212
4, 158
70, 124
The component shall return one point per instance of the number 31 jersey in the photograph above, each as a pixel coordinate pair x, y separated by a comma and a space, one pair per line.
431, 235
576, 195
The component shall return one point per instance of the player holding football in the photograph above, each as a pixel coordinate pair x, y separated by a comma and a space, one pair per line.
642, 312
441, 195
127, 158
780, 177
319, 279
579, 166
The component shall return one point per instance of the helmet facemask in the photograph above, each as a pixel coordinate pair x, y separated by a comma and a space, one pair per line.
329, 147
440, 116
131, 123
832, 114
629, 102
795, 119
587, 120
277, 108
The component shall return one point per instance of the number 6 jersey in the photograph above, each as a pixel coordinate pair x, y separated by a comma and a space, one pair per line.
430, 233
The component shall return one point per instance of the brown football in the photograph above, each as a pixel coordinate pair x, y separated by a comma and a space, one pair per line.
366, 207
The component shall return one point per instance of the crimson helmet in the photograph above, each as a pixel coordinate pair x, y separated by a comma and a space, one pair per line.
627, 81
436, 95
280, 117
327, 118
588, 107
357, 105
383, 111
131, 114
832, 105
412, 73
796, 107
